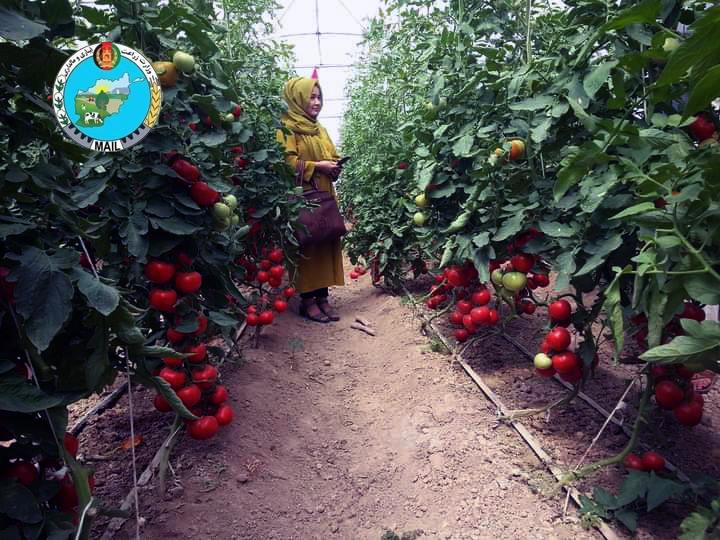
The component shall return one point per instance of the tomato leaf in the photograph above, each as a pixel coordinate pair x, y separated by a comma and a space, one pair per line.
705, 91
598, 77
628, 518
99, 296
639, 208
599, 250
703, 287
223, 319
19, 395
644, 12
613, 309
18, 502
555, 229
510, 227
662, 489
15, 27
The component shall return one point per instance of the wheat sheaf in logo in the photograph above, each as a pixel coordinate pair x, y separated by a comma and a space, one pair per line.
107, 97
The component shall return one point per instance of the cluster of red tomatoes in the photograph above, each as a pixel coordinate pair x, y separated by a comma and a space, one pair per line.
193, 378
189, 174
29, 473
269, 270
357, 272
674, 391
649, 461
557, 341
691, 310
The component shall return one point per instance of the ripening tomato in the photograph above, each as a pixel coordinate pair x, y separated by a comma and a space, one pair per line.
203, 428
71, 444
634, 462
560, 311
668, 394
190, 395
188, 282
481, 298
461, 335
22, 471
558, 338
219, 395
565, 362
689, 413
176, 379
280, 305
161, 403
224, 414
456, 318
522, 262
266, 317
197, 353
163, 299
652, 461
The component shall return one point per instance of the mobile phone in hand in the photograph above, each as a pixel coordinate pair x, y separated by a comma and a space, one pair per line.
343, 161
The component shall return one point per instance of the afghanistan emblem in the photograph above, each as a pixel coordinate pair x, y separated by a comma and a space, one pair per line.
107, 97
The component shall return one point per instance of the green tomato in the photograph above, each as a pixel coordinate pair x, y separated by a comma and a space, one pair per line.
542, 361
229, 118
514, 281
421, 201
184, 62
419, 219
235, 220
222, 211
231, 201
222, 224
670, 44
496, 277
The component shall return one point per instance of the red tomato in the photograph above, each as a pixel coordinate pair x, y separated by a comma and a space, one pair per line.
202, 325
188, 282
494, 317
633, 461
276, 255
689, 414
565, 362
469, 325
481, 298
71, 444
7, 288
224, 414
173, 336
464, 307
280, 305
572, 376
402, 166
266, 317
461, 335
22, 471
668, 394
161, 403
456, 318
541, 280
275, 282
528, 307
203, 194
277, 271
265, 264
684, 372
184, 259
702, 128
176, 379
560, 311
289, 292
354, 275
159, 271
652, 461
237, 111
558, 338
545, 347
190, 395
252, 319
692, 311
546, 372
198, 353
439, 279
163, 299
203, 428
262, 276
659, 372
480, 315
454, 276
219, 395
522, 262
186, 170
205, 377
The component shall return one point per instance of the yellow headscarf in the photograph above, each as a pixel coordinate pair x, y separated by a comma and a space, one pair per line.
297, 95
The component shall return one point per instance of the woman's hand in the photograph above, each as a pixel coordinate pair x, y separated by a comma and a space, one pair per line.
330, 168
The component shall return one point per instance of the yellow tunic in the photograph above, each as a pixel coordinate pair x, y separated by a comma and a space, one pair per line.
320, 265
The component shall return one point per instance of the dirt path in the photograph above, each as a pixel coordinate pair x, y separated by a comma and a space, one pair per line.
351, 435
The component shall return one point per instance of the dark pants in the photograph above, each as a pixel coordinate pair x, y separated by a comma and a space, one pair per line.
317, 293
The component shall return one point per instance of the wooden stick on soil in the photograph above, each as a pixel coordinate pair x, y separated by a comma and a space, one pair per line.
363, 328
529, 439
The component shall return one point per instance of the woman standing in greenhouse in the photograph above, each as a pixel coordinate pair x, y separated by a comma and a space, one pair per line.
309, 147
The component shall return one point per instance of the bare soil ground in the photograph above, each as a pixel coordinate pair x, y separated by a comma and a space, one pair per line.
343, 435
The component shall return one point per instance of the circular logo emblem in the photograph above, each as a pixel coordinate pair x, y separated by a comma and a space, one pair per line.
107, 97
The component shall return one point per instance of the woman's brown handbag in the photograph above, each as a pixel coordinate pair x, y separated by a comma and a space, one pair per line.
324, 222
